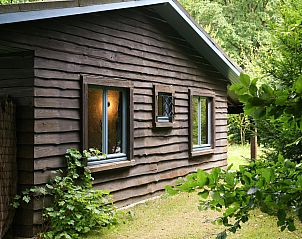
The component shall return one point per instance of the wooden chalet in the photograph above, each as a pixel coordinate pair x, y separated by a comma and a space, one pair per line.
138, 79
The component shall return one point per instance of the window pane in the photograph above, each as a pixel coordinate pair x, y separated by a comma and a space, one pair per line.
165, 104
204, 120
115, 124
195, 121
160, 105
95, 116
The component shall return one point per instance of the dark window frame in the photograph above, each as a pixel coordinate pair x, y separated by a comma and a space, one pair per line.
97, 81
208, 150
157, 89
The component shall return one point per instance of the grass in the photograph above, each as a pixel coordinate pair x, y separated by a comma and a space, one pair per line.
178, 217
238, 155
165, 218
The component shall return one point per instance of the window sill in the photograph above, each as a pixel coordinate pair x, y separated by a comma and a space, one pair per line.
163, 124
201, 152
110, 166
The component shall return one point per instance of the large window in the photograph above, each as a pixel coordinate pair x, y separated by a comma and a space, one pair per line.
202, 123
106, 119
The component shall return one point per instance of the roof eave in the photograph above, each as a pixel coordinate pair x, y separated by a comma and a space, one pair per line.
170, 10
202, 42
24, 16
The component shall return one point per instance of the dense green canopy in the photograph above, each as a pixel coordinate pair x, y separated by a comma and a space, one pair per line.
240, 27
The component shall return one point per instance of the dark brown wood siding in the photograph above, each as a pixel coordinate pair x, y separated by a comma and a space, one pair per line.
134, 45
16, 81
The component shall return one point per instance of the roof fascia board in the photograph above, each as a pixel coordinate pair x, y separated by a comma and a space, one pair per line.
6, 18
205, 38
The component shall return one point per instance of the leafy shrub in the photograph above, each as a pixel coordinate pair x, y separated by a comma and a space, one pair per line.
76, 207
274, 187
274, 136
273, 184
239, 129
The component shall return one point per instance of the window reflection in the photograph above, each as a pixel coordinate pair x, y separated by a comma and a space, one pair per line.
201, 121
195, 120
204, 121
115, 117
105, 120
95, 116
165, 103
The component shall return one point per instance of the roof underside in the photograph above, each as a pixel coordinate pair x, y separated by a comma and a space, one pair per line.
169, 10
175, 15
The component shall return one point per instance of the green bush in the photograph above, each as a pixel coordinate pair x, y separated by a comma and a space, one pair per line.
76, 207
239, 129
274, 136
273, 186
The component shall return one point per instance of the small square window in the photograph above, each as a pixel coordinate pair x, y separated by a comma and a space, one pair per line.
163, 106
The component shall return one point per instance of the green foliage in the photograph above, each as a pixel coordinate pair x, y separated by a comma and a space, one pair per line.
283, 61
271, 102
273, 184
245, 29
274, 187
239, 129
240, 27
276, 102
277, 112
76, 207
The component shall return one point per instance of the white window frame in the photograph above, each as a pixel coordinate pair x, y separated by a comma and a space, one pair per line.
201, 146
202, 149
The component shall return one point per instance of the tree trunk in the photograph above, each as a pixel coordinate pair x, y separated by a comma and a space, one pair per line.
254, 145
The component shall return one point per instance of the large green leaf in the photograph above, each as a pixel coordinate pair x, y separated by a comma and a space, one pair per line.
298, 85
204, 194
230, 179
170, 190
231, 209
266, 173
245, 79
202, 178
